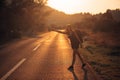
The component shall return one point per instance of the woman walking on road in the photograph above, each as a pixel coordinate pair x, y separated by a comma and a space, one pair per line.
76, 40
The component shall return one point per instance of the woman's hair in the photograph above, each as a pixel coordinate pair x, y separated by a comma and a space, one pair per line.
68, 28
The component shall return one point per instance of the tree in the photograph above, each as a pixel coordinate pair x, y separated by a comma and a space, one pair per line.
19, 17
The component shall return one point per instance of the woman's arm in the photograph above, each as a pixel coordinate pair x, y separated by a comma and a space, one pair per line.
63, 32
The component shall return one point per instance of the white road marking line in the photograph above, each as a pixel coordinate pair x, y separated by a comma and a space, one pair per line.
36, 47
12, 70
40, 44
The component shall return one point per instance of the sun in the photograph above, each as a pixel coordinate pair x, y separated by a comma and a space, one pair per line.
67, 6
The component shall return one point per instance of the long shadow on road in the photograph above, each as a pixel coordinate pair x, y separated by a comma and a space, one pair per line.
85, 74
74, 74
85, 77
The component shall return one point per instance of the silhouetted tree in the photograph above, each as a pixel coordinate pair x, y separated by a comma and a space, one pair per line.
18, 17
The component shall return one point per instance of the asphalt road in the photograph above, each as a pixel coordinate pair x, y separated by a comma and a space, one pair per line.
44, 57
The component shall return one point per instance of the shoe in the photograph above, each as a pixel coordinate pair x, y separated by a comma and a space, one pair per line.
83, 65
70, 68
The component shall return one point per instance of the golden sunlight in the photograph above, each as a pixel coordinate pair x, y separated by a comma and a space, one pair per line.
67, 6
77, 6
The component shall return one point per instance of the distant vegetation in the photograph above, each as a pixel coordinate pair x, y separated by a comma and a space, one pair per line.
103, 28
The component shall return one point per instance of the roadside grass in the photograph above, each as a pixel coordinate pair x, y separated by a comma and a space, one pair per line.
105, 61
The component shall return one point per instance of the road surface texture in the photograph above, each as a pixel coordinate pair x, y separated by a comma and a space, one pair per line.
44, 57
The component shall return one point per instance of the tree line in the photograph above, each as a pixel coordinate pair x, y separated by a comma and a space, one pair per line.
106, 24
21, 17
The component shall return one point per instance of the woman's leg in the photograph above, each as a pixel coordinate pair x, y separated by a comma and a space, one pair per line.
81, 59
74, 57
73, 60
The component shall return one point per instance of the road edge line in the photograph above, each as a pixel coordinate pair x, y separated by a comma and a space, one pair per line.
13, 69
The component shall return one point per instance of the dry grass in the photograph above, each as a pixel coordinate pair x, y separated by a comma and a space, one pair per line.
106, 39
105, 54
105, 61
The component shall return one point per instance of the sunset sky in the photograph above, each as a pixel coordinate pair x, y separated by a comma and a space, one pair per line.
77, 6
